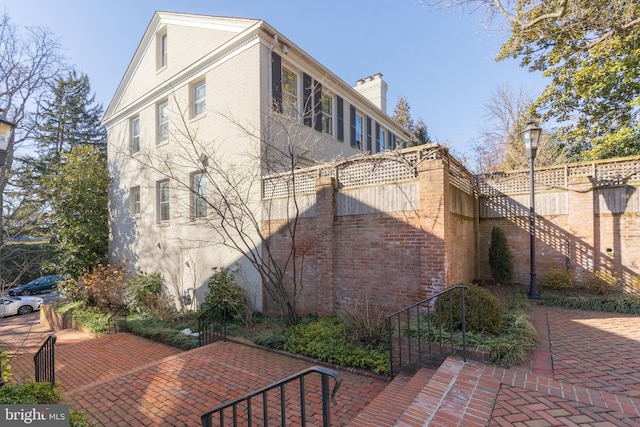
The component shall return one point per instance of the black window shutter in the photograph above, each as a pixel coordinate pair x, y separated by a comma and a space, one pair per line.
389, 140
378, 149
307, 112
352, 118
340, 107
317, 105
276, 81
370, 147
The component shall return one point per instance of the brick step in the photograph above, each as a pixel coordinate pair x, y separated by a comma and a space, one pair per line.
389, 405
457, 394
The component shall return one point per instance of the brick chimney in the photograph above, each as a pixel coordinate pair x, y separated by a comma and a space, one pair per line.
374, 89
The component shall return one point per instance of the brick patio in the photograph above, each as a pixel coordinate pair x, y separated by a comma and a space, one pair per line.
583, 372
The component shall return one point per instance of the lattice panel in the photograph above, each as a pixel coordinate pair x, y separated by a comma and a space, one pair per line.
617, 173
368, 172
460, 178
282, 185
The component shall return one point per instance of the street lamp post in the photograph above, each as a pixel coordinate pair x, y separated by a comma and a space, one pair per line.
6, 129
531, 136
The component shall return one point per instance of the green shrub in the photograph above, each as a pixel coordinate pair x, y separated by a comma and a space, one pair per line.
30, 393
597, 283
94, 318
144, 294
621, 303
326, 340
5, 367
222, 286
271, 339
482, 308
76, 419
557, 279
365, 322
500, 258
512, 346
148, 326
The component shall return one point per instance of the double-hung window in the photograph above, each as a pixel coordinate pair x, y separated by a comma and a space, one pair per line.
327, 113
382, 145
359, 142
134, 132
289, 93
164, 194
199, 96
163, 121
199, 195
134, 199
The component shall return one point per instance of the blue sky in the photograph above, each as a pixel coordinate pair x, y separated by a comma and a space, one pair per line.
442, 61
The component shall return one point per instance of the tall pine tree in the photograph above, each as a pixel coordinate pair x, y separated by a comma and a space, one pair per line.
68, 117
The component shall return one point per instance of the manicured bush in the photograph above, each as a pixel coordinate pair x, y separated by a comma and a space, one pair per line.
557, 279
223, 287
500, 258
483, 310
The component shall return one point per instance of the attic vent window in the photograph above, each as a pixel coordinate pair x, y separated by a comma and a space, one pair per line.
162, 50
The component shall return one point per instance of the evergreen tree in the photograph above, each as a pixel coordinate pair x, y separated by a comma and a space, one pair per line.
500, 258
417, 130
67, 118
80, 210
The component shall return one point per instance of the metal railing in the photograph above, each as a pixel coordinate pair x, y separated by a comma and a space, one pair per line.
44, 361
277, 407
425, 331
118, 320
212, 324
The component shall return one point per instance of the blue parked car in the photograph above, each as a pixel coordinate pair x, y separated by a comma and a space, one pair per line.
43, 284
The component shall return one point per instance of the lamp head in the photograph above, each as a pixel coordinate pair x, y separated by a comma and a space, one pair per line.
6, 129
531, 137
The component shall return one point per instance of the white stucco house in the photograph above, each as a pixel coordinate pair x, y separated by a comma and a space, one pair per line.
207, 101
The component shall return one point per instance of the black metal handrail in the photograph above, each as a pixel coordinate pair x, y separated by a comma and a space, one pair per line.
417, 333
118, 320
242, 408
44, 361
212, 323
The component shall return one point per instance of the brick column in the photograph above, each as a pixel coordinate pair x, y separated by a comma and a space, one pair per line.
325, 286
582, 225
435, 222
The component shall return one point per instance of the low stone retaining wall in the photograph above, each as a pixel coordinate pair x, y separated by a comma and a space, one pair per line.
57, 322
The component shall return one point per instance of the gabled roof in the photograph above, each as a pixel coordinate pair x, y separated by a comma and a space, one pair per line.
227, 24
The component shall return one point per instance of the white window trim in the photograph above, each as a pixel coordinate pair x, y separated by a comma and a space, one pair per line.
134, 139
196, 197
286, 95
162, 203
162, 50
160, 124
328, 114
135, 190
195, 101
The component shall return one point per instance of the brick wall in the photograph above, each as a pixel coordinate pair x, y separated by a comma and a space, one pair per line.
588, 224
388, 260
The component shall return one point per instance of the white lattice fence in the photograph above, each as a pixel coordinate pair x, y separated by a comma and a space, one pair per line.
604, 173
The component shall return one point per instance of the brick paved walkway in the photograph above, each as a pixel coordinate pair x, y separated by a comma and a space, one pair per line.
584, 372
